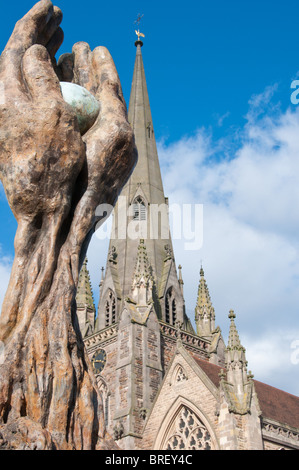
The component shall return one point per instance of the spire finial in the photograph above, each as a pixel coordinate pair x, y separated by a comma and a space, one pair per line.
233, 340
180, 273
139, 34
232, 314
204, 310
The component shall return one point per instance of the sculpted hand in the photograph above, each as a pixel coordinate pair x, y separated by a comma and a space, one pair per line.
108, 137
41, 150
54, 180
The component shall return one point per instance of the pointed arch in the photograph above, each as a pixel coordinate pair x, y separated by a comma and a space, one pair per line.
170, 306
185, 427
139, 209
179, 375
110, 308
105, 393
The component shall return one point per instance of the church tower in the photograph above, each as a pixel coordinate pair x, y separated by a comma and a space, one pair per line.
141, 286
163, 385
141, 318
141, 213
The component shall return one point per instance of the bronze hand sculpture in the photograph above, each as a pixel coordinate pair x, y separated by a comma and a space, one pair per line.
54, 179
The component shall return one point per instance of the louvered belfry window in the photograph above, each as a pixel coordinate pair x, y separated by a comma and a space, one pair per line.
110, 309
139, 209
170, 307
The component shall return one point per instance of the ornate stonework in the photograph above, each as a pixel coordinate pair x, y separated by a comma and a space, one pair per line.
187, 432
171, 387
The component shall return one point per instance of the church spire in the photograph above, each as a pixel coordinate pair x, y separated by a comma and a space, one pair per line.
238, 386
84, 300
235, 353
204, 311
141, 213
181, 282
234, 343
142, 281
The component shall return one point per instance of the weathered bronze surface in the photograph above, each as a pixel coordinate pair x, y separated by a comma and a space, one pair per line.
54, 179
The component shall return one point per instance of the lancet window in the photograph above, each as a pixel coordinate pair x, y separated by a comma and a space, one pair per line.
110, 309
139, 209
170, 307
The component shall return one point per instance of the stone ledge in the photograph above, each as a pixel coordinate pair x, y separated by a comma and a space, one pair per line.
101, 337
280, 434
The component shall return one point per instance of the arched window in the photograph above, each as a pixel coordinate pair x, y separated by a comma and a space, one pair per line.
187, 432
139, 209
173, 312
167, 318
170, 307
103, 388
110, 309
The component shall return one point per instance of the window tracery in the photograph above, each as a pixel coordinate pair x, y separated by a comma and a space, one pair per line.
187, 432
181, 376
103, 388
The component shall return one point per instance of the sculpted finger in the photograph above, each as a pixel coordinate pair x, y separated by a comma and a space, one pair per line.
82, 66
109, 90
39, 74
24, 35
65, 67
110, 142
28, 28
51, 27
55, 42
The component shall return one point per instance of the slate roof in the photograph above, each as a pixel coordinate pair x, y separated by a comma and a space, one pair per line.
275, 404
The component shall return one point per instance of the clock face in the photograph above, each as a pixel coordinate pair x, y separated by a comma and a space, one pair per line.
98, 361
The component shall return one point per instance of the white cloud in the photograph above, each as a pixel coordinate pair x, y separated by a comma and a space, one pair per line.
251, 249
271, 358
250, 252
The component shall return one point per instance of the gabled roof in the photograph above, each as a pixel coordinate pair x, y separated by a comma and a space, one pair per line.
278, 405
211, 370
275, 404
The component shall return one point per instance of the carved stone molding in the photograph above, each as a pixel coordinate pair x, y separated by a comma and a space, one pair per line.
101, 337
186, 338
279, 434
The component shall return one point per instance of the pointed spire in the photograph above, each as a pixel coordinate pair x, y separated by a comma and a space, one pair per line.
147, 171
239, 381
204, 311
234, 342
84, 300
235, 352
101, 281
143, 192
84, 295
181, 282
142, 279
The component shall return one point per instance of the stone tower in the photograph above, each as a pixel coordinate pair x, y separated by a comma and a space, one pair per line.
163, 385
141, 286
142, 214
141, 311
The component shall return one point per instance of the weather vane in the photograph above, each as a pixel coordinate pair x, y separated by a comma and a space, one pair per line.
139, 34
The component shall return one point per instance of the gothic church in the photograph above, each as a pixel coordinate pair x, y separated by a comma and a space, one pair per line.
164, 385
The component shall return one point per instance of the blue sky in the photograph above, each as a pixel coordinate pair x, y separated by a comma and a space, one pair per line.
218, 76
